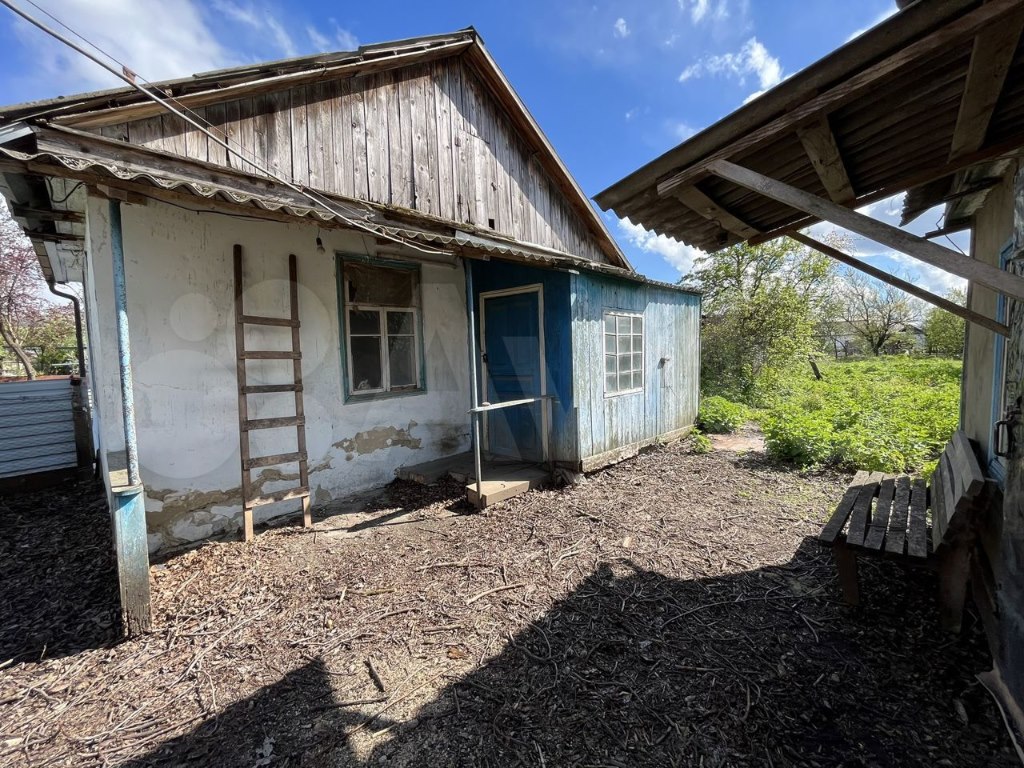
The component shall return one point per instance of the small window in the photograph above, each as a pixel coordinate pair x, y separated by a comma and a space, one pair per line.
623, 353
382, 329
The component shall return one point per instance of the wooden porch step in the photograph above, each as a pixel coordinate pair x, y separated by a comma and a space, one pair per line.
271, 354
276, 496
260, 389
279, 458
285, 322
505, 486
284, 421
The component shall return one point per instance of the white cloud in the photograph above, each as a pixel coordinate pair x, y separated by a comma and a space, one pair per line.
631, 113
282, 39
891, 11
679, 255
682, 131
705, 9
753, 59
318, 40
346, 40
621, 27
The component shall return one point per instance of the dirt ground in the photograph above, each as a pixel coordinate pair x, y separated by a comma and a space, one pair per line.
672, 610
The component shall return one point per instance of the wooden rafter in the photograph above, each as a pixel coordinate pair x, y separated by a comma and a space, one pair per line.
700, 203
991, 57
903, 285
939, 41
894, 237
821, 148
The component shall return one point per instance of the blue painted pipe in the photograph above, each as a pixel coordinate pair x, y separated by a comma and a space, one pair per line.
124, 354
474, 393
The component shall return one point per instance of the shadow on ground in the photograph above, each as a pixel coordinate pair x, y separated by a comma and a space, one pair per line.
58, 576
637, 669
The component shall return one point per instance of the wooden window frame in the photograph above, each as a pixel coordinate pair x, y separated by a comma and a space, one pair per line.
617, 313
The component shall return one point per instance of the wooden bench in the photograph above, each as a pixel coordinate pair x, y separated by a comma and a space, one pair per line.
888, 516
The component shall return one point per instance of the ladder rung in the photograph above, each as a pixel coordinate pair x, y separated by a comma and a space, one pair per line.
259, 389
271, 355
270, 498
285, 421
258, 320
279, 458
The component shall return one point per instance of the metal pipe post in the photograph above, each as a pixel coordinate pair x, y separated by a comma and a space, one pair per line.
123, 347
474, 393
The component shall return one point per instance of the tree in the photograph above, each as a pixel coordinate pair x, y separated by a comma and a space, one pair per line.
943, 331
762, 305
878, 313
21, 306
53, 336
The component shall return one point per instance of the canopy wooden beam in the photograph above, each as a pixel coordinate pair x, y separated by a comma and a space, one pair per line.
991, 57
821, 148
916, 53
924, 250
700, 203
933, 299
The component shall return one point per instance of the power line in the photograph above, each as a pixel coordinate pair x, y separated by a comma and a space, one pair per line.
134, 80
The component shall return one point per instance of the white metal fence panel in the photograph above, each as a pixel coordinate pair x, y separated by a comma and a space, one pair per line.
37, 429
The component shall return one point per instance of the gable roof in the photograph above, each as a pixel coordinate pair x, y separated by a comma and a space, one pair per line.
104, 108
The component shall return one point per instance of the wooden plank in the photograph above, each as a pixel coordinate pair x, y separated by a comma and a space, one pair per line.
896, 536
846, 568
263, 320
357, 114
25, 211
506, 486
904, 285
300, 138
278, 458
835, 524
850, 88
243, 404
445, 146
264, 389
279, 134
276, 423
270, 354
917, 533
276, 496
966, 462
820, 145
905, 242
216, 116
880, 521
937, 496
991, 57
300, 413
860, 515
700, 203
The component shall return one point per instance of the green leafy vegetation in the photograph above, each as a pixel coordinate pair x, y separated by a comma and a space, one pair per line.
699, 442
888, 414
718, 415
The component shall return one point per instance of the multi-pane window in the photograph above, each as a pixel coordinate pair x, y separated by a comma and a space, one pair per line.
382, 329
623, 353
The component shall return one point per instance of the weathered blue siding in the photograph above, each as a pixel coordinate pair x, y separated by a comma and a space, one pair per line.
37, 427
668, 402
499, 275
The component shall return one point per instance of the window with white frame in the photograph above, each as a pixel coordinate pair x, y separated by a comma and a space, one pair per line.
382, 328
623, 352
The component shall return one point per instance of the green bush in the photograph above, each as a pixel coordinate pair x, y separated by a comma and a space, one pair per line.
718, 415
889, 414
699, 442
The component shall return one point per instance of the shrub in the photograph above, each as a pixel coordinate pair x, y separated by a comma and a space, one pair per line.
718, 415
699, 442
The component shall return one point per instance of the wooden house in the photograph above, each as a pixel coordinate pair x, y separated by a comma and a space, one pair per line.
312, 281
929, 103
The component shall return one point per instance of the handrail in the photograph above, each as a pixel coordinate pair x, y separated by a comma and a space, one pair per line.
484, 407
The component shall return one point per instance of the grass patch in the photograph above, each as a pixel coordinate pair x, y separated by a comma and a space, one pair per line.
886, 414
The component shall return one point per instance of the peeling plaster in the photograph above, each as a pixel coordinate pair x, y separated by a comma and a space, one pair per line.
378, 439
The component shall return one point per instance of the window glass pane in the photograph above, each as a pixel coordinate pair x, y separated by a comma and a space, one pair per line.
638, 379
610, 383
638, 325
622, 325
609, 364
380, 285
361, 322
638, 362
401, 361
366, 366
624, 344
609, 323
625, 382
638, 343
609, 344
401, 324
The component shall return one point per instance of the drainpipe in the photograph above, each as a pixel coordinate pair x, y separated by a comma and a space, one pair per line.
79, 406
474, 393
129, 504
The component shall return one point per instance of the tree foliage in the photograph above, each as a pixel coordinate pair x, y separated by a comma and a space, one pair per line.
943, 331
762, 306
21, 306
877, 313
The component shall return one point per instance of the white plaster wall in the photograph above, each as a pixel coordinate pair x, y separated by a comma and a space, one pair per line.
181, 316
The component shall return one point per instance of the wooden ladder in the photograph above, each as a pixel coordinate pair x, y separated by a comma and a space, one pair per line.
247, 425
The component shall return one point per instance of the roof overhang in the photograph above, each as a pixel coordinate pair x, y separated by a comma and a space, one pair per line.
930, 101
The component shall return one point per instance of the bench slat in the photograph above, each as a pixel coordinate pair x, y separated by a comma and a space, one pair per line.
861, 514
896, 536
880, 520
835, 524
917, 533
966, 464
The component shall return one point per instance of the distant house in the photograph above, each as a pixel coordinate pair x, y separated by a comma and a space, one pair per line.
438, 241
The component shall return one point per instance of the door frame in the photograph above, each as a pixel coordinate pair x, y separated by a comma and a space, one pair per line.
537, 288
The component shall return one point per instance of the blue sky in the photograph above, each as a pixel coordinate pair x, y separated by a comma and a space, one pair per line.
613, 83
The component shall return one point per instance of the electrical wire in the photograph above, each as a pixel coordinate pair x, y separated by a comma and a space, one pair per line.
165, 100
64, 199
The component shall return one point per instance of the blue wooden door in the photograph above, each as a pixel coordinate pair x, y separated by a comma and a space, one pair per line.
512, 346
